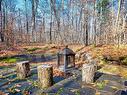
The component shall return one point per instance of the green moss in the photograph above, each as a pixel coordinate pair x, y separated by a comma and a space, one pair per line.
59, 91
12, 60
100, 85
122, 57
9, 60
77, 93
33, 83
103, 61
124, 61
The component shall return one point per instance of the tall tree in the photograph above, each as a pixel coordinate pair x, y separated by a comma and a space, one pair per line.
118, 21
34, 10
27, 23
1, 32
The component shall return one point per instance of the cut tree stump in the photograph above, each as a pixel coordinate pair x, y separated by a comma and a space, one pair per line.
23, 69
45, 76
88, 72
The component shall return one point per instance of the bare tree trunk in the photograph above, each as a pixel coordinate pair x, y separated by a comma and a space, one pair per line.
86, 31
1, 26
34, 9
50, 32
117, 22
42, 31
27, 23
94, 22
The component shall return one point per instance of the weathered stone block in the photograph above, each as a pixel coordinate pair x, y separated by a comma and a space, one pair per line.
88, 72
45, 76
23, 69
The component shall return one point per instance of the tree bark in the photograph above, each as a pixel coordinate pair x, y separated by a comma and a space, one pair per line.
1, 32
27, 23
33, 20
45, 76
50, 32
86, 43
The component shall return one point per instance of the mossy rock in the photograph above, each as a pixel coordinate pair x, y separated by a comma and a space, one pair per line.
123, 60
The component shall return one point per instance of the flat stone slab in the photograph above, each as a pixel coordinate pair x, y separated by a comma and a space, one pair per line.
25, 84
73, 86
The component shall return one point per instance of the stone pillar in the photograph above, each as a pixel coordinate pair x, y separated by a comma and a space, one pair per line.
45, 76
23, 69
88, 72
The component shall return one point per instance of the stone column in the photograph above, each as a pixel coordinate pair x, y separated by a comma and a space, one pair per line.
88, 72
45, 76
23, 69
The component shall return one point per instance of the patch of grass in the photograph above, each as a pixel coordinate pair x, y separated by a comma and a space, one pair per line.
103, 61
110, 69
101, 84
77, 93
33, 83
32, 49
115, 70
12, 60
59, 91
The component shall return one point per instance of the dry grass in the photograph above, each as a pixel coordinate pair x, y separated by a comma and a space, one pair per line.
113, 51
115, 70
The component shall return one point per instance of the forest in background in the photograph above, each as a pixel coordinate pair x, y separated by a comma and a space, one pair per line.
86, 22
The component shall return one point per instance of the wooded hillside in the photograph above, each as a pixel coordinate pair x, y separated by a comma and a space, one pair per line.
85, 22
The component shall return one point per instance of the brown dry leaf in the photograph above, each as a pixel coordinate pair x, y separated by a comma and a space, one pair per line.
58, 73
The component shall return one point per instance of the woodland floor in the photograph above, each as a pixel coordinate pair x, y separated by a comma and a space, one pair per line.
111, 60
